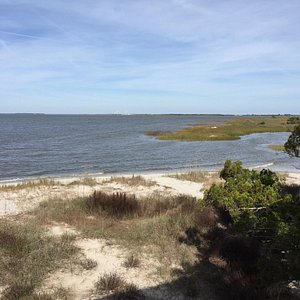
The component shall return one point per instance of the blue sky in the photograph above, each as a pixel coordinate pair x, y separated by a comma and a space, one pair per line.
150, 56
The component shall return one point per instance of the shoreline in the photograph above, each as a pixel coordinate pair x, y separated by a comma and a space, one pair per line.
68, 178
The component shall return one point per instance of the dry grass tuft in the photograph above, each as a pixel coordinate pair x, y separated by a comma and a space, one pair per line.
89, 181
207, 178
117, 205
132, 261
132, 181
88, 264
27, 255
110, 282
29, 185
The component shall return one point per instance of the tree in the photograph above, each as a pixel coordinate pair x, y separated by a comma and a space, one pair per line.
292, 146
262, 208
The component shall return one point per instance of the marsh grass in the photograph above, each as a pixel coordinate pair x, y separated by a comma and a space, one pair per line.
27, 255
30, 185
132, 180
232, 129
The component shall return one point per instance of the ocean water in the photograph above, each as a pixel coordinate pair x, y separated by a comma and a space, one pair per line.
59, 145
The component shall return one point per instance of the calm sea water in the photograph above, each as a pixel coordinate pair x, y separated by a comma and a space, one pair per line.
46, 145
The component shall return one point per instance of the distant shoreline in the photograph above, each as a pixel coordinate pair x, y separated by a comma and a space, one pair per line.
148, 114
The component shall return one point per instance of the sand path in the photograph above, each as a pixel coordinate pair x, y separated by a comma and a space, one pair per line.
179, 186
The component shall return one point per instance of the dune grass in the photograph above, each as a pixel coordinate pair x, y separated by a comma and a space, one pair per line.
131, 180
27, 255
88, 181
232, 129
207, 178
29, 184
150, 226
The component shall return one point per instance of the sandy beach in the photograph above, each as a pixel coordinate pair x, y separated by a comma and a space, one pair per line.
16, 201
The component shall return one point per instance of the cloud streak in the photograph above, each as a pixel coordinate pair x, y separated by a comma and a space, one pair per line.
150, 56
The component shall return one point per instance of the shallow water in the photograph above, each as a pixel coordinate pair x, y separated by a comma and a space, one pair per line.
46, 145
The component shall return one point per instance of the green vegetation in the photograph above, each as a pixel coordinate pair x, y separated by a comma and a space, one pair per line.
265, 216
232, 129
292, 146
27, 255
277, 147
240, 241
294, 120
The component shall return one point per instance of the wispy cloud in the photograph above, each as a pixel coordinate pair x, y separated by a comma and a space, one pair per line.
150, 56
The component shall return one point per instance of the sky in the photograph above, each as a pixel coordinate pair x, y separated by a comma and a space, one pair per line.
150, 56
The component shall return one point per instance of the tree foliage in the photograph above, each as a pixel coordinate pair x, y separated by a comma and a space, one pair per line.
260, 208
292, 146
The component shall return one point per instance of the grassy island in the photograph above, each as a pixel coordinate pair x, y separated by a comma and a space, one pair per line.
232, 129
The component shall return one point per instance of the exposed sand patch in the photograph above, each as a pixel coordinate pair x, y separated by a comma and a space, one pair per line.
58, 229
25, 199
293, 178
7, 207
178, 186
109, 258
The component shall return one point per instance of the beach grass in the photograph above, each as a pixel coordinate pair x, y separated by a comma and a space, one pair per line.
207, 178
29, 184
27, 255
134, 180
232, 129
151, 226
88, 181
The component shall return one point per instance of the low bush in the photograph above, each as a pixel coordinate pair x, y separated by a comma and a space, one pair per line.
121, 205
117, 205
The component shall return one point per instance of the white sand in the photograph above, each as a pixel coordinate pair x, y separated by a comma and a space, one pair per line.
22, 200
109, 257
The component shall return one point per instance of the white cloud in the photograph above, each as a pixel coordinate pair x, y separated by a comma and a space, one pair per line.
175, 47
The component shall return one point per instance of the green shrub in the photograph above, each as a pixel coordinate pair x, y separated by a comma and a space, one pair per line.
261, 208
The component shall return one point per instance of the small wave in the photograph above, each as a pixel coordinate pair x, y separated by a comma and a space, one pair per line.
262, 166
